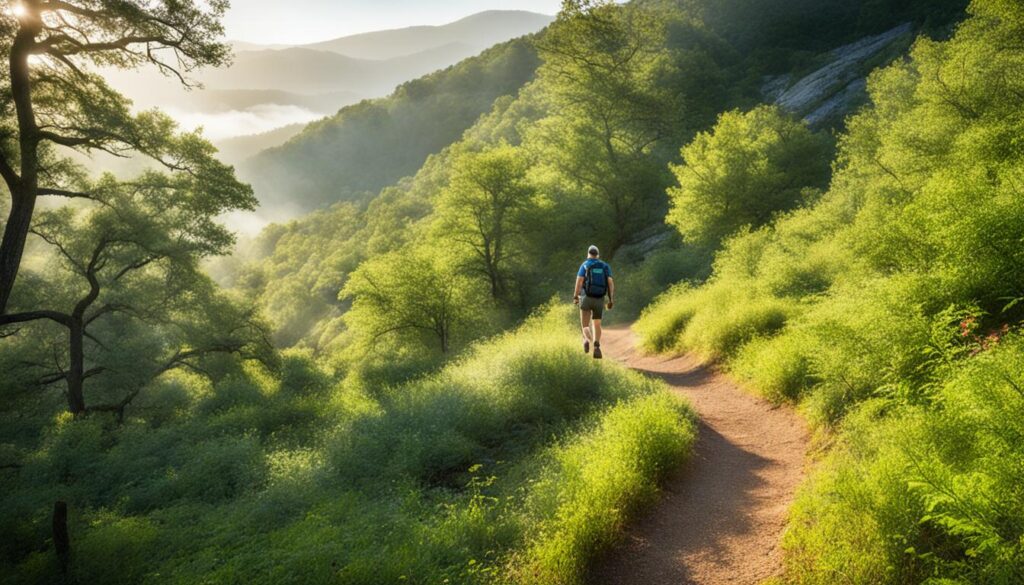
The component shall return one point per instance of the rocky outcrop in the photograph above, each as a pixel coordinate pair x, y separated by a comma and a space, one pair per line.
832, 90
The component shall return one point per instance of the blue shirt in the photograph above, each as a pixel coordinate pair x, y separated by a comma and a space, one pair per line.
592, 262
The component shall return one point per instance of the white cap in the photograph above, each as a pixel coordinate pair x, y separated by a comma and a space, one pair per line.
593, 251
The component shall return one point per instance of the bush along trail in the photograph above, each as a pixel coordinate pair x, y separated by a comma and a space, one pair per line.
721, 516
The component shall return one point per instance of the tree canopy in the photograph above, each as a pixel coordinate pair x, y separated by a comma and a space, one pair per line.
52, 98
745, 170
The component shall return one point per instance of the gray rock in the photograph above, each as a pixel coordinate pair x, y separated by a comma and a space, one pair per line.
826, 91
839, 104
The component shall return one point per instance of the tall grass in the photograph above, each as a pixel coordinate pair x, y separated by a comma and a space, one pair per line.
517, 464
930, 492
713, 321
593, 483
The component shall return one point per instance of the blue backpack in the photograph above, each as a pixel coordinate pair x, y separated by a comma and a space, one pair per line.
595, 283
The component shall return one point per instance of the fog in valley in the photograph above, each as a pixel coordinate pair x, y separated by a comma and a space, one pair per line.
271, 92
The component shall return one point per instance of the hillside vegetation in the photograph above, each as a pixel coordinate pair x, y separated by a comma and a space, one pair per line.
693, 63
511, 466
391, 388
888, 307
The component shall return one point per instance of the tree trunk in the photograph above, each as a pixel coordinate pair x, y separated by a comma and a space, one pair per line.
13, 244
76, 367
25, 190
61, 540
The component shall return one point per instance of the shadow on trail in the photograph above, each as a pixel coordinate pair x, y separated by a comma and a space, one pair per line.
703, 505
696, 376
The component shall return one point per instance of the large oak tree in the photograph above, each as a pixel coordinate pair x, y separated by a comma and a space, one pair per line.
51, 96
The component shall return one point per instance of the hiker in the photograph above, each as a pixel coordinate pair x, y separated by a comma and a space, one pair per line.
594, 279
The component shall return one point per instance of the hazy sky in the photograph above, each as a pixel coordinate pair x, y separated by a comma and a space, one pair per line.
306, 21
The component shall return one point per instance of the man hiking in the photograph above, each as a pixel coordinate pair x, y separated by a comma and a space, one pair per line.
594, 280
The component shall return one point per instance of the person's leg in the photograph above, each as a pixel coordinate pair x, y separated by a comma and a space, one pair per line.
585, 323
597, 330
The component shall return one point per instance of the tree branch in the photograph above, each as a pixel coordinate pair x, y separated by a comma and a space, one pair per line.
8, 173
28, 316
65, 193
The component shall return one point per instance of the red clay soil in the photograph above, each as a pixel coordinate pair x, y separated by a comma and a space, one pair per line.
720, 518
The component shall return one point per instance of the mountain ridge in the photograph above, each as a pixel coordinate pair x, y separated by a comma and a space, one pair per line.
399, 42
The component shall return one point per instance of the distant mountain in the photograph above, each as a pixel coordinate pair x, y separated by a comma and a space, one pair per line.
369, 145
236, 150
270, 86
480, 30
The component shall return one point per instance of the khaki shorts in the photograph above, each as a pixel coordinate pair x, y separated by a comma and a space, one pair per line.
595, 305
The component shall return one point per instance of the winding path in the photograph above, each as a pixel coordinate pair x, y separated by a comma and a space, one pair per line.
720, 518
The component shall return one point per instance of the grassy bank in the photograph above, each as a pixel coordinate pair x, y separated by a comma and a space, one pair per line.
513, 465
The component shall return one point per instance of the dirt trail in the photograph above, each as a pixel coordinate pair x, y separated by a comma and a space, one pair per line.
720, 518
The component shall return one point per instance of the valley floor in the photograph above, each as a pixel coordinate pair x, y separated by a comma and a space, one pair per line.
720, 518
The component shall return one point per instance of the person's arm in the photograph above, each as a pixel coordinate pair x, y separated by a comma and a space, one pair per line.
611, 292
576, 292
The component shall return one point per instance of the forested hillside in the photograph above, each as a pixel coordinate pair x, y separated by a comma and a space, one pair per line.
390, 388
367, 146
888, 307
588, 175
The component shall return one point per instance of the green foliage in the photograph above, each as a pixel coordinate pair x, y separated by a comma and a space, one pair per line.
485, 211
899, 335
606, 74
123, 282
654, 273
933, 492
413, 295
509, 455
777, 367
713, 321
747, 169
594, 484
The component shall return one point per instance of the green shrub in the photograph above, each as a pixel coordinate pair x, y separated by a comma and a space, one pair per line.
231, 392
642, 282
726, 322
595, 482
502, 397
713, 321
300, 375
777, 367
664, 320
918, 492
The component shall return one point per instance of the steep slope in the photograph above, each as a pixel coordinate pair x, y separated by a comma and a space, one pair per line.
480, 30
827, 94
374, 143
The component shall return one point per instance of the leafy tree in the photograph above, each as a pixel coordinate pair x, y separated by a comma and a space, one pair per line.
741, 173
413, 291
126, 287
49, 97
606, 71
483, 211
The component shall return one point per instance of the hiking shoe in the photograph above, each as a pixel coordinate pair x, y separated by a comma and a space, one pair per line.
586, 346
597, 351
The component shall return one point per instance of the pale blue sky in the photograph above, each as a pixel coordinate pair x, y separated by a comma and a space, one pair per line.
307, 21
